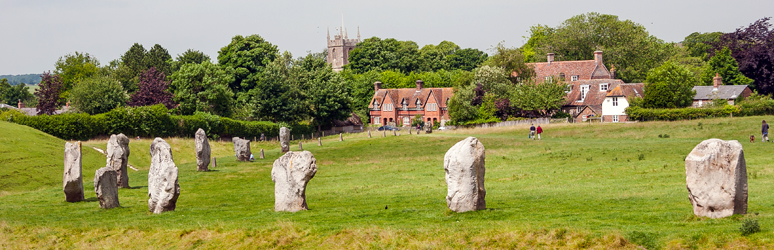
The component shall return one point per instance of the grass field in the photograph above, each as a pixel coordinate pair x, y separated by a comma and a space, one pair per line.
583, 186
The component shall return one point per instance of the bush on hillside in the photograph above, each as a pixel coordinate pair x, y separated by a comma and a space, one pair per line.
643, 114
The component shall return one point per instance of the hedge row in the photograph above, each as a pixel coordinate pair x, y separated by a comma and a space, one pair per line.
148, 121
643, 114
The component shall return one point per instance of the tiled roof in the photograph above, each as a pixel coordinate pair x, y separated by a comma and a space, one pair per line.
409, 96
627, 90
723, 92
585, 69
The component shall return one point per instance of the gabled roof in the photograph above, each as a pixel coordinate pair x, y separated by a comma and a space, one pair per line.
627, 90
411, 95
723, 92
584, 69
594, 97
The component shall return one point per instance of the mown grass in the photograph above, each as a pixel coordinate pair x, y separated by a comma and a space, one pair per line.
583, 186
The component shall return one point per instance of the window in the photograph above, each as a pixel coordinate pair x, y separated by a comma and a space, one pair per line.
578, 109
406, 120
561, 76
377, 120
615, 101
548, 79
603, 87
419, 103
431, 107
584, 89
376, 104
615, 118
388, 107
575, 78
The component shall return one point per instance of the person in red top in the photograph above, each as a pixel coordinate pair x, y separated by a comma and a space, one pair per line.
539, 131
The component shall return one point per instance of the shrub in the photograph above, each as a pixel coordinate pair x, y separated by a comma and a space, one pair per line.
643, 114
98, 95
749, 226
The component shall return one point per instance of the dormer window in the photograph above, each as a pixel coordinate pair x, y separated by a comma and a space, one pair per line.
404, 103
561, 76
603, 87
575, 78
584, 89
376, 103
419, 103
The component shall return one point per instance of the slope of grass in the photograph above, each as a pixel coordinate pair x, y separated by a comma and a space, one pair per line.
583, 186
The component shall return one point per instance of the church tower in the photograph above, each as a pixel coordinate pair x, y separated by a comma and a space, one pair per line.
340, 47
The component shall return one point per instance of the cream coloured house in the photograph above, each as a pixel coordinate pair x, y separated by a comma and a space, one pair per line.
617, 100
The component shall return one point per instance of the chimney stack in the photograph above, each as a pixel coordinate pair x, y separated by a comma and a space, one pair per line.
420, 84
717, 81
550, 58
612, 71
20, 105
377, 86
598, 57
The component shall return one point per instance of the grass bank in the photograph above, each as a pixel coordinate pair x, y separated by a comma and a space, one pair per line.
583, 186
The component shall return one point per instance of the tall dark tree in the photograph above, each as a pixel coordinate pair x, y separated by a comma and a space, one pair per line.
131, 65
726, 66
248, 56
202, 87
753, 48
159, 58
700, 44
11, 95
278, 96
466, 59
669, 86
48, 93
153, 90
388, 54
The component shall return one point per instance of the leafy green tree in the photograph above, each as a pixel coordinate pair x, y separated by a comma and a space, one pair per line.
511, 60
699, 44
540, 98
724, 64
72, 68
98, 94
669, 86
327, 96
248, 56
434, 57
466, 59
11, 95
192, 56
4, 86
388, 54
493, 80
202, 87
278, 96
460, 107
157, 57
626, 44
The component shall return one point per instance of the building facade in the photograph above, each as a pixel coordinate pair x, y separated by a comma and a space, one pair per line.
339, 48
398, 107
729, 93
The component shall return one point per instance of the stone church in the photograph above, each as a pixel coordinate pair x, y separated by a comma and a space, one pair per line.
339, 48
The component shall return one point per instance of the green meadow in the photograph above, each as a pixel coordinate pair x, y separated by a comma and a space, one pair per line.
597, 186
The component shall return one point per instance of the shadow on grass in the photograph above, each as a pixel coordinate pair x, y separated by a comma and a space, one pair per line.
91, 199
137, 187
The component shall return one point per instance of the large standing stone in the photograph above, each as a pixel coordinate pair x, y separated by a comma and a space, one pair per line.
118, 157
716, 177
464, 165
428, 129
284, 135
202, 151
290, 174
72, 180
242, 149
106, 187
163, 188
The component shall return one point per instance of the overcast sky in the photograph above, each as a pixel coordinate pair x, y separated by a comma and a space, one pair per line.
34, 34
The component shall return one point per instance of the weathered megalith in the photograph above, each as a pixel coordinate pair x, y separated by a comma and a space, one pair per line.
716, 177
319, 142
202, 151
106, 187
118, 157
72, 180
341, 136
464, 165
369, 133
284, 135
409, 130
394, 133
290, 174
163, 188
262, 156
214, 163
428, 129
384, 133
300, 147
241, 149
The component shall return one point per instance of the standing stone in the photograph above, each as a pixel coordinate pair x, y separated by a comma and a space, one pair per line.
106, 187
163, 188
214, 163
118, 157
284, 136
290, 174
202, 151
394, 133
428, 129
464, 165
319, 142
341, 137
242, 149
369, 133
72, 180
716, 177
409, 130
300, 148
262, 154
384, 133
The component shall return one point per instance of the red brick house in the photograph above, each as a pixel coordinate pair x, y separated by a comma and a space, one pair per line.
571, 71
398, 106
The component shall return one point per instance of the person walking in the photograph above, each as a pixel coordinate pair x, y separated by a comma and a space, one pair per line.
532, 132
539, 131
765, 132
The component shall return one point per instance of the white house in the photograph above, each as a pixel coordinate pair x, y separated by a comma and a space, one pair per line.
617, 100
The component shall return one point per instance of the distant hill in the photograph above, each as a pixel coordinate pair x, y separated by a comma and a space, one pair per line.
28, 79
